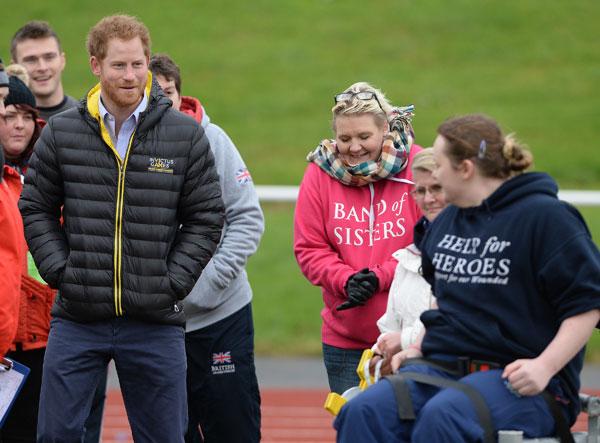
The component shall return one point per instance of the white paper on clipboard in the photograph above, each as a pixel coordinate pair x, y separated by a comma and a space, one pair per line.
12, 379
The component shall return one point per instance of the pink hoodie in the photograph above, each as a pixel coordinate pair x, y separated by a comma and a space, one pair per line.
332, 242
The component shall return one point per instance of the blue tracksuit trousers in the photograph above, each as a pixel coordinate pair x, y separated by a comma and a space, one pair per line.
443, 415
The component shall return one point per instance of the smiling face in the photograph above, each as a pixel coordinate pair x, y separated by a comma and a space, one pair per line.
358, 138
16, 129
123, 73
44, 62
428, 194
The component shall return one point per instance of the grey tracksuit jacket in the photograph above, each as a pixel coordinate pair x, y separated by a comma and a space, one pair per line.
223, 287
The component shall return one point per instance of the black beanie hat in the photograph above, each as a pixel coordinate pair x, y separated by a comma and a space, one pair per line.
3, 76
18, 93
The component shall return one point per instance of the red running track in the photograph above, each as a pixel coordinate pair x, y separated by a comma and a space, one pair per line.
288, 416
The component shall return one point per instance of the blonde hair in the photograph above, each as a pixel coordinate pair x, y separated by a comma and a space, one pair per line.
19, 71
122, 27
516, 155
355, 106
424, 161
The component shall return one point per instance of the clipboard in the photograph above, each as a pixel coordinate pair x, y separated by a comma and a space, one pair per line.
12, 378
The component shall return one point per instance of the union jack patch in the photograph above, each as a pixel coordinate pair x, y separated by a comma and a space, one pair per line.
243, 176
220, 358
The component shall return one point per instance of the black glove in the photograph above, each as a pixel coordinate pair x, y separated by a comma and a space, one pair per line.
367, 279
360, 287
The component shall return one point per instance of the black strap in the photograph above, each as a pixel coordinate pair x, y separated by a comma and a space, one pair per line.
562, 428
451, 367
402, 394
407, 413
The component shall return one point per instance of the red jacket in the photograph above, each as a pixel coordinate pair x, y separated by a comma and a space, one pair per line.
332, 241
36, 298
12, 254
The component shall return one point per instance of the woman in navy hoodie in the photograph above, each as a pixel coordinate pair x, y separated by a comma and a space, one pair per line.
517, 281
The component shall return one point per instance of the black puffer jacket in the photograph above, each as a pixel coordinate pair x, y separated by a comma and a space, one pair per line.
136, 233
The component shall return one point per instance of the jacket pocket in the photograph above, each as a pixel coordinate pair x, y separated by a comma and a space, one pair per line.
178, 290
40, 298
63, 275
166, 284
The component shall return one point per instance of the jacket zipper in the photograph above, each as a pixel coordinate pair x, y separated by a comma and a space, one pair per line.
117, 243
119, 231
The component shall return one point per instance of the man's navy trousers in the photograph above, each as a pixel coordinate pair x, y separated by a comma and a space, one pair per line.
151, 365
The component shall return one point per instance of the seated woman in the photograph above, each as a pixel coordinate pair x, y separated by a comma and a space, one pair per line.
517, 281
410, 294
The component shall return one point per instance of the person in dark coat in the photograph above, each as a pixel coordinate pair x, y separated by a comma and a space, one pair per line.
136, 186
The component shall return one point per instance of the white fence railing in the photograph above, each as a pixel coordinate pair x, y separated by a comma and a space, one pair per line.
581, 198
277, 193
290, 194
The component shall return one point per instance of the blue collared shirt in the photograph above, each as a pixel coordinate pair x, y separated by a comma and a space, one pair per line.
121, 140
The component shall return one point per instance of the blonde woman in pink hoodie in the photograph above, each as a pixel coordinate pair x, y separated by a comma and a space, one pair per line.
353, 211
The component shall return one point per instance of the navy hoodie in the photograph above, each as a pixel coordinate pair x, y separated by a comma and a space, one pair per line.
507, 273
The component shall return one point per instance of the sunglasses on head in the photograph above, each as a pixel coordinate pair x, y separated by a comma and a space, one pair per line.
362, 95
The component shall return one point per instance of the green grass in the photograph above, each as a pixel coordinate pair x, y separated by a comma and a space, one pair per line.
592, 218
267, 70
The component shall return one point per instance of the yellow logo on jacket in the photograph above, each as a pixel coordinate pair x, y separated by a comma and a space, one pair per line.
164, 165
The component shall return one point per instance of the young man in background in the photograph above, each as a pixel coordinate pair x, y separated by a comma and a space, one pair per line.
37, 47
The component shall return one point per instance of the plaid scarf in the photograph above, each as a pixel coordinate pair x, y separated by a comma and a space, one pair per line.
393, 159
